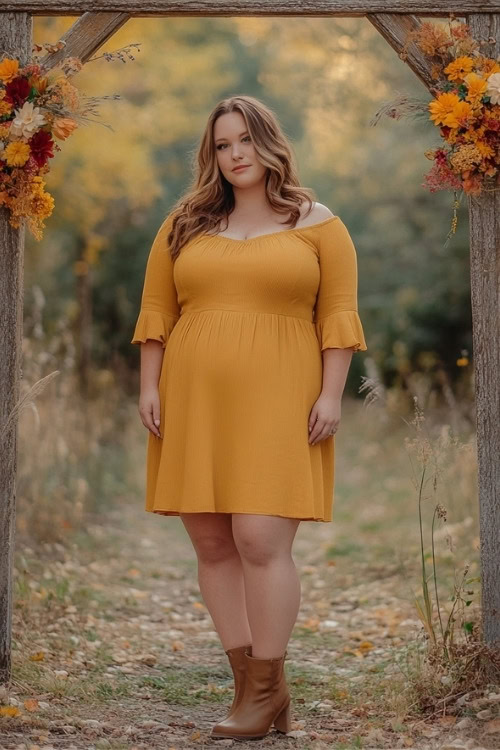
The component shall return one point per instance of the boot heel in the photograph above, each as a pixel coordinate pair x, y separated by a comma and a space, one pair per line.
283, 721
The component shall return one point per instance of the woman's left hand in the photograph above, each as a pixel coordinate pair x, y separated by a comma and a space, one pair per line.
324, 417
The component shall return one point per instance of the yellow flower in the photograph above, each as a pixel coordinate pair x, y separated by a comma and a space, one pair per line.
462, 116
457, 69
474, 134
442, 107
42, 204
476, 86
5, 107
17, 153
8, 69
485, 149
39, 83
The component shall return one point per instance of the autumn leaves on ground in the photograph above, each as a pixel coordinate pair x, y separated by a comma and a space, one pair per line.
114, 648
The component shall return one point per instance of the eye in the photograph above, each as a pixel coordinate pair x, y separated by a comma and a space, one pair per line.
224, 144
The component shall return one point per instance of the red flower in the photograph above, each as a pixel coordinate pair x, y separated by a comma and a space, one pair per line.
41, 145
17, 91
31, 166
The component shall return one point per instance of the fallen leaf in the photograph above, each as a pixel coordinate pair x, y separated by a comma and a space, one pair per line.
366, 645
38, 656
9, 711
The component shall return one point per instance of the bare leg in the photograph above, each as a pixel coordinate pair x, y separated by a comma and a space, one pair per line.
272, 584
220, 575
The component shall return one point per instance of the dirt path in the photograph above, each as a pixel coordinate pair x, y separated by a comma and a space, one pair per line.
114, 648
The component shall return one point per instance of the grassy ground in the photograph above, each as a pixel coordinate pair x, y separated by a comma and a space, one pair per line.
114, 648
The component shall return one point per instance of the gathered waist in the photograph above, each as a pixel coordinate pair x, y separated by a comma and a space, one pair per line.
245, 312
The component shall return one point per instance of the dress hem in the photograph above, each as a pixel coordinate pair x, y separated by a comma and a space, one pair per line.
256, 513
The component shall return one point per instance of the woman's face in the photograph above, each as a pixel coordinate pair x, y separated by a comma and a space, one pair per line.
234, 147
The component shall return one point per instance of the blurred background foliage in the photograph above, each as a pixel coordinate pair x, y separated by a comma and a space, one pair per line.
325, 78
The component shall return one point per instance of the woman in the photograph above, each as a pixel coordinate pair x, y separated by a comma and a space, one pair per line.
247, 324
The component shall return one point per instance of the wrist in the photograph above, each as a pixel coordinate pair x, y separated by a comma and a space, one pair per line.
331, 395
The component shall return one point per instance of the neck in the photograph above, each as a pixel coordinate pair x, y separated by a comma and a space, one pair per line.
251, 201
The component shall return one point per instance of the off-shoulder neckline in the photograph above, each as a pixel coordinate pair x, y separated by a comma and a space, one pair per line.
272, 234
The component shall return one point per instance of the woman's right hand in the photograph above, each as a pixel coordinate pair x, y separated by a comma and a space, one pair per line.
149, 409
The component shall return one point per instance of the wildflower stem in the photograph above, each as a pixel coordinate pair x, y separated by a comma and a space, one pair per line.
435, 582
425, 588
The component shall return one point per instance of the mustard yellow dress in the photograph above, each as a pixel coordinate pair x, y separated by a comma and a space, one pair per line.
243, 324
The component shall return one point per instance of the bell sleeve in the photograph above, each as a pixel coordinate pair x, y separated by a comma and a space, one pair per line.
160, 310
336, 318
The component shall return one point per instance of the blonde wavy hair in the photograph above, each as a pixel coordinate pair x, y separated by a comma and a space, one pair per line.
210, 198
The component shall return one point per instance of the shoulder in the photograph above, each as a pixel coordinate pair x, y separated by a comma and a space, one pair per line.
321, 212
166, 224
318, 213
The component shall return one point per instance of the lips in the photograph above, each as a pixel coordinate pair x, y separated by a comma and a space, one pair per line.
243, 166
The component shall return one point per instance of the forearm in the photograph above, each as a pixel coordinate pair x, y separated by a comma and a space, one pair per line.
336, 363
151, 361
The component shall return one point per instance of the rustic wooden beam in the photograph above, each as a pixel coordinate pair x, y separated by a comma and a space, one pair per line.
16, 40
394, 28
85, 36
252, 7
484, 228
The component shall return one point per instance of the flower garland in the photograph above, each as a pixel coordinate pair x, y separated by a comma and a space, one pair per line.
465, 108
37, 106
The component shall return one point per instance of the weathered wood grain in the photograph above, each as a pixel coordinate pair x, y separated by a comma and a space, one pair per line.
394, 28
85, 36
15, 39
252, 7
484, 228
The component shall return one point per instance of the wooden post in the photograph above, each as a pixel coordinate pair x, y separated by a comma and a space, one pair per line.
15, 40
484, 229
484, 222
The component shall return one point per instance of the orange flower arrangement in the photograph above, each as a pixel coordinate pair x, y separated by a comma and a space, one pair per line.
37, 105
465, 108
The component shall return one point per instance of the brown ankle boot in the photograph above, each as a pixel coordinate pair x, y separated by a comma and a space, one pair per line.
265, 701
237, 662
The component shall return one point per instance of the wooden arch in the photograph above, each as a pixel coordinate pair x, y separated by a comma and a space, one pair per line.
98, 21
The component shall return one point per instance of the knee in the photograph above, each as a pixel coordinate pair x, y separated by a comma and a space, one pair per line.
255, 551
214, 549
